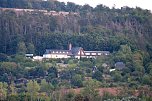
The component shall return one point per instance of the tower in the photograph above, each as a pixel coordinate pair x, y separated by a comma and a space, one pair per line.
70, 46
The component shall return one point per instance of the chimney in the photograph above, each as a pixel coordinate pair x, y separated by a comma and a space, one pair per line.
70, 46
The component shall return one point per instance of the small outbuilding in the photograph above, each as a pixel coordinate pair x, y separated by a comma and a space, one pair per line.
29, 55
119, 65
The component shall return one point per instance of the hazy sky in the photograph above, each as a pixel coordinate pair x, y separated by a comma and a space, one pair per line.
145, 4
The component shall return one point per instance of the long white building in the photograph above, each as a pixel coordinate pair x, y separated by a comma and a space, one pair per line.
73, 52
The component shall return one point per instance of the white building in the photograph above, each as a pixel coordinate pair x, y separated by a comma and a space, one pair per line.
37, 58
73, 52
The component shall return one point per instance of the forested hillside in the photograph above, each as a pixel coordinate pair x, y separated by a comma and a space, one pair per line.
99, 28
31, 26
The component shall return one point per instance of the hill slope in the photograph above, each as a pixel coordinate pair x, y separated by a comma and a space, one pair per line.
99, 28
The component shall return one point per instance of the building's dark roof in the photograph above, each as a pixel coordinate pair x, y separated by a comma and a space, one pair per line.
105, 52
97, 52
119, 65
75, 50
55, 51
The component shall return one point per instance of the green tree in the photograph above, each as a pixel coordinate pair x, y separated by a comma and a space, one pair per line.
3, 91
21, 48
138, 62
146, 80
46, 87
30, 48
97, 75
69, 96
90, 90
124, 54
77, 80
33, 88
149, 68
9, 65
125, 49
117, 76
13, 89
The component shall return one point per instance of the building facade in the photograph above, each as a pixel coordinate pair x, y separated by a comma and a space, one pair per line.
73, 52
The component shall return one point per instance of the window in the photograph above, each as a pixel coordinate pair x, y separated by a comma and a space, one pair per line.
99, 53
93, 53
87, 53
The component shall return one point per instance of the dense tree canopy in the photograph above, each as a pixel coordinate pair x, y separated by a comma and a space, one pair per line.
99, 28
